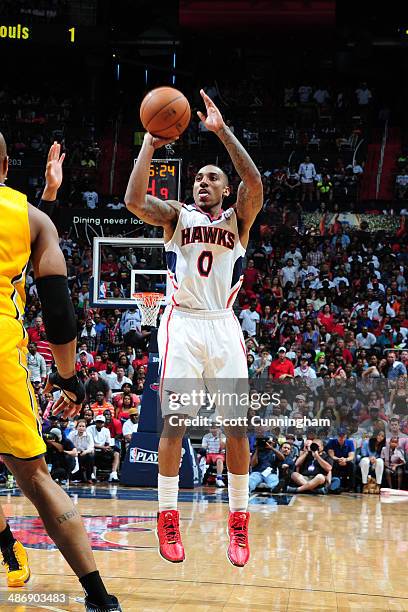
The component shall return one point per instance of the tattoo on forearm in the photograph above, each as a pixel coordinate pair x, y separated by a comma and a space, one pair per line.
67, 516
239, 156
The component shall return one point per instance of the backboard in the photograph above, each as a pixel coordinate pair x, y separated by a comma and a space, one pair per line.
123, 266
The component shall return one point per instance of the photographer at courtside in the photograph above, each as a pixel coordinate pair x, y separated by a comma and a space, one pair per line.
313, 469
264, 465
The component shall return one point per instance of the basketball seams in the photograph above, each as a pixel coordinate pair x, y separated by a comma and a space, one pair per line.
149, 96
142, 111
178, 120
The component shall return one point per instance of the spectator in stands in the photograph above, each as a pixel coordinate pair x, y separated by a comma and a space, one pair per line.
342, 452
324, 190
250, 319
120, 379
94, 384
292, 185
213, 445
91, 199
286, 465
115, 429
289, 274
104, 448
127, 368
112, 338
307, 174
83, 347
395, 368
101, 404
34, 333
399, 397
90, 335
365, 339
371, 458
109, 375
263, 465
363, 95
321, 96
83, 442
281, 368
250, 275
305, 371
130, 425
44, 350
88, 415
394, 461
36, 364
60, 455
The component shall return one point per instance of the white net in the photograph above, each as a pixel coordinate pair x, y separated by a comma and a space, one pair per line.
149, 305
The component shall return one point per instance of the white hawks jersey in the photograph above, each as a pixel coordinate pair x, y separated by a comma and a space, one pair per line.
204, 259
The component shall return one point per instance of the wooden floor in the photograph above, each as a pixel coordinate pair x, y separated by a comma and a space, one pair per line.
345, 552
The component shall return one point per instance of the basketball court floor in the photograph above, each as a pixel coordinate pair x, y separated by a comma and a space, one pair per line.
345, 552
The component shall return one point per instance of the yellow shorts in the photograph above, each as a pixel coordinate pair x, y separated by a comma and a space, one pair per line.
20, 427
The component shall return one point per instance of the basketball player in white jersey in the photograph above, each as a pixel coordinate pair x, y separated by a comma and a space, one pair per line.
199, 336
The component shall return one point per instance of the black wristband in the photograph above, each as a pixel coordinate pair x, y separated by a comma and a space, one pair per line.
57, 308
47, 206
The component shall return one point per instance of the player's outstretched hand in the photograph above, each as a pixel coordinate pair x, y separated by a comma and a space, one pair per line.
213, 121
72, 394
156, 142
53, 169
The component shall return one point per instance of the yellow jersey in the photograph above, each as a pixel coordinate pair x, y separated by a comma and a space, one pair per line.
20, 428
15, 249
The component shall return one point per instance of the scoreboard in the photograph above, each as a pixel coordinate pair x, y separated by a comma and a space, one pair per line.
164, 179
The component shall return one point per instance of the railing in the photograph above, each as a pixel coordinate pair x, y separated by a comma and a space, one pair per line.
118, 123
381, 162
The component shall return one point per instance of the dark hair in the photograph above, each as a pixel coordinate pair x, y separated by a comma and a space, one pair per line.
374, 446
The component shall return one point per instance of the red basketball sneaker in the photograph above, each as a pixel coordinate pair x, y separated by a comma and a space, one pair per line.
238, 549
168, 533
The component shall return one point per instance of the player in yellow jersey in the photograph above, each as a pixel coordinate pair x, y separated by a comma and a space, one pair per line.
15, 558
27, 232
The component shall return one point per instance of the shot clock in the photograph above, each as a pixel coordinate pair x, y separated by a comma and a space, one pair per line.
164, 180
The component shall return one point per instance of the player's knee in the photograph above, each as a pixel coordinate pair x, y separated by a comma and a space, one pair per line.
236, 432
320, 479
172, 430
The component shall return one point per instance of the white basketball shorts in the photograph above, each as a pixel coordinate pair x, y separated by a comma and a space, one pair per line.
202, 350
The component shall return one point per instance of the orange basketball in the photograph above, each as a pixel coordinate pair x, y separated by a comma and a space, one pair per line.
165, 112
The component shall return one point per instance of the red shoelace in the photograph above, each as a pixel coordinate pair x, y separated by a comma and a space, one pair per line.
239, 533
171, 529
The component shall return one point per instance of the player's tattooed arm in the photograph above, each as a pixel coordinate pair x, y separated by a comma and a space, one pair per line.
148, 208
250, 191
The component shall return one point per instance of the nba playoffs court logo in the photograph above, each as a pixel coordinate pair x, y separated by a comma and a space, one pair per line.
104, 532
142, 455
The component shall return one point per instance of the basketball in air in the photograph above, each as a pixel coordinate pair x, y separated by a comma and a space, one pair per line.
165, 112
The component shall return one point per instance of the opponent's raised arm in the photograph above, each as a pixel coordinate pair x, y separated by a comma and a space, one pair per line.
53, 179
148, 208
250, 191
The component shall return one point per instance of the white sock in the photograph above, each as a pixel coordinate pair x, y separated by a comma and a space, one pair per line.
168, 487
238, 492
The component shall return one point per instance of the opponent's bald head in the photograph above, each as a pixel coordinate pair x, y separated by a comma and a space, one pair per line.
3, 148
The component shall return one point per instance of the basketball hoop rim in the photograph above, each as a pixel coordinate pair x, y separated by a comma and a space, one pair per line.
143, 296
